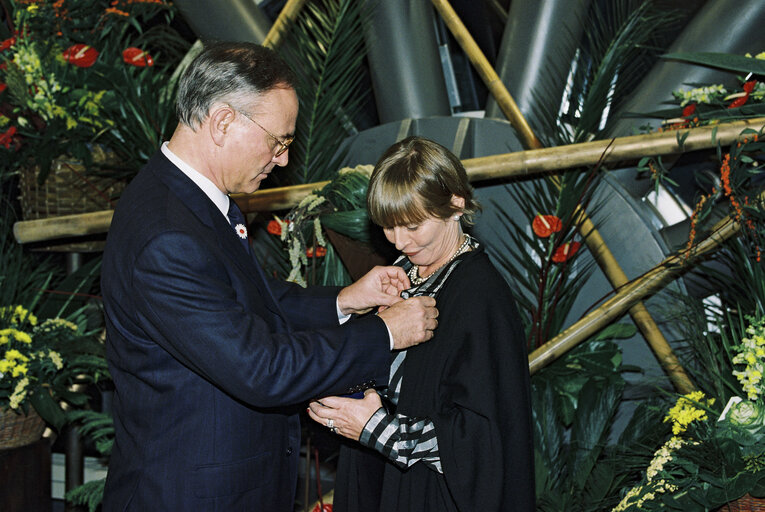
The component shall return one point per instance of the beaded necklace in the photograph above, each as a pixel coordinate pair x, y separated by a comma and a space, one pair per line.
414, 272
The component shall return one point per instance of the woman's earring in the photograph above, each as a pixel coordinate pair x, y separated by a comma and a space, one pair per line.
456, 218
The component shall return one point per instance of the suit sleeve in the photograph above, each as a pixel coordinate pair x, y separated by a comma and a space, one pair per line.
188, 305
307, 308
483, 424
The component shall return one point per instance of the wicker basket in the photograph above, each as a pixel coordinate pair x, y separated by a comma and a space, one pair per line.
746, 503
19, 429
69, 188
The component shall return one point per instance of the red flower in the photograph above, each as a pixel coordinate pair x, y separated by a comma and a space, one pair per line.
546, 225
274, 227
320, 252
7, 137
3, 87
7, 43
741, 100
689, 110
80, 55
565, 252
137, 57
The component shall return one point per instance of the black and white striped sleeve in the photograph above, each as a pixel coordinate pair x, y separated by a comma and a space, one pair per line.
402, 439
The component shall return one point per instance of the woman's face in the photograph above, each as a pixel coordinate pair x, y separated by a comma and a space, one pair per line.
428, 244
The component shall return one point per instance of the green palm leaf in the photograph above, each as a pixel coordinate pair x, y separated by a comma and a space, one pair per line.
326, 49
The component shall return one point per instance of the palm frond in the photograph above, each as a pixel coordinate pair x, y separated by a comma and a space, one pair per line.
608, 64
326, 49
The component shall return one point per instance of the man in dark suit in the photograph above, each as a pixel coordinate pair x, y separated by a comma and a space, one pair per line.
211, 360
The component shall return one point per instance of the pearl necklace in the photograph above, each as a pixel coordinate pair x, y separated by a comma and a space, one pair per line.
414, 272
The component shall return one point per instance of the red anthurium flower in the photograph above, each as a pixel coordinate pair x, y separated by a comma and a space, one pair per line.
546, 225
7, 137
137, 57
741, 100
7, 43
565, 252
689, 110
80, 55
274, 228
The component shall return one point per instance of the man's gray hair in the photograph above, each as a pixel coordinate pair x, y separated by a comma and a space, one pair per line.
228, 72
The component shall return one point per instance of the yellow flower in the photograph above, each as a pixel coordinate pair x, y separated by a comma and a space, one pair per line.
6, 365
55, 358
19, 393
22, 336
15, 355
19, 369
685, 412
32, 8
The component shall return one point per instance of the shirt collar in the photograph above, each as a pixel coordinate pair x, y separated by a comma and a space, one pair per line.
220, 199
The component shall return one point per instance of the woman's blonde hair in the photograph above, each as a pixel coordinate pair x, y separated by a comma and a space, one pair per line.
415, 179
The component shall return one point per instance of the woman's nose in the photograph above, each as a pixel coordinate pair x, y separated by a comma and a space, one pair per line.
399, 238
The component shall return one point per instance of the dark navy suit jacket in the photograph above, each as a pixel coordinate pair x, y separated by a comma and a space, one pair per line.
210, 359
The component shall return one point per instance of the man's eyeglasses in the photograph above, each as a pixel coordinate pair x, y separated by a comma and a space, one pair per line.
282, 145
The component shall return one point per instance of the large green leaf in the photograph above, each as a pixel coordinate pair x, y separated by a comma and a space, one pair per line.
725, 61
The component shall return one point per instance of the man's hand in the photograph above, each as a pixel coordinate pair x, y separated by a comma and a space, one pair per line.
411, 321
381, 286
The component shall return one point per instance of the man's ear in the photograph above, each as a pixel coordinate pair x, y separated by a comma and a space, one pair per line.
219, 123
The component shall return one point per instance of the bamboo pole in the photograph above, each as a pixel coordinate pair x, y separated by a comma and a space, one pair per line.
486, 71
628, 295
523, 164
595, 243
633, 147
66, 226
288, 14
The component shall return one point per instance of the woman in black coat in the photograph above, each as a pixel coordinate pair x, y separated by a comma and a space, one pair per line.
452, 431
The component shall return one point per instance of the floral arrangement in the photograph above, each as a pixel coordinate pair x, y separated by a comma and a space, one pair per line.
340, 205
40, 360
74, 73
705, 464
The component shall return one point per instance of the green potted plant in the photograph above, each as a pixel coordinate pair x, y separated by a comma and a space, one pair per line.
86, 96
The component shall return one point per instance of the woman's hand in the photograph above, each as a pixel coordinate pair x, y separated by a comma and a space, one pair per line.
345, 416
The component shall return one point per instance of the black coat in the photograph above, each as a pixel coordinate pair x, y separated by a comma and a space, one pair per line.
472, 381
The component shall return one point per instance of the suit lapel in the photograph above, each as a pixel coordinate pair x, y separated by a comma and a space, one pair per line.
205, 211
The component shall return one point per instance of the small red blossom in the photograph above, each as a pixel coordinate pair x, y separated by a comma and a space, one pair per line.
320, 252
6, 138
7, 43
3, 87
565, 252
137, 57
80, 55
546, 225
274, 227
689, 110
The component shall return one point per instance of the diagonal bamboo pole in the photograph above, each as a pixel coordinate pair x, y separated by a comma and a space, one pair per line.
592, 238
288, 14
519, 165
486, 71
629, 294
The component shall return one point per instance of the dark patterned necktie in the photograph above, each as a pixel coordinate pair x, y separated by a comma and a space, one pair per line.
236, 218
